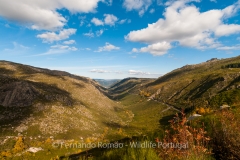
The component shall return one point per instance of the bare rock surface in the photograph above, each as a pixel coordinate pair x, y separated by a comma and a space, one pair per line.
17, 94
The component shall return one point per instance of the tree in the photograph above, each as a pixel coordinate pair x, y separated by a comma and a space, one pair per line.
19, 146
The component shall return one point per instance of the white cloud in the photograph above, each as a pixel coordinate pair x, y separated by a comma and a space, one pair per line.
139, 5
108, 2
107, 47
135, 50
52, 52
159, 2
118, 72
17, 45
82, 23
141, 12
90, 34
82, 20
214, 1
7, 26
97, 22
152, 10
110, 19
141, 73
69, 42
228, 48
58, 49
122, 21
43, 14
17, 48
99, 33
52, 36
157, 49
187, 26
64, 47
60, 46
225, 30
72, 49
231, 10
134, 72
105, 71
99, 71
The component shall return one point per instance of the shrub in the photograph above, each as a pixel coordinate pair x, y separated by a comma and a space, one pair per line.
6, 154
180, 133
226, 135
144, 93
19, 146
201, 110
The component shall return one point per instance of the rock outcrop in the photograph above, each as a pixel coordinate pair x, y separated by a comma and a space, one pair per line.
17, 94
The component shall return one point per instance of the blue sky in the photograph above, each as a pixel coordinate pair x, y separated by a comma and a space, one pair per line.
118, 39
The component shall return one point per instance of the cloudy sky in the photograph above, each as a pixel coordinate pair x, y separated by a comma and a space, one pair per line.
118, 38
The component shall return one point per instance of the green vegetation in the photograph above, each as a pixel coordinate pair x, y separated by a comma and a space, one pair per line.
54, 107
124, 87
230, 97
234, 65
201, 85
223, 128
194, 145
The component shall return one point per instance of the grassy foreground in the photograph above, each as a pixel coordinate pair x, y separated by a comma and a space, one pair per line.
215, 135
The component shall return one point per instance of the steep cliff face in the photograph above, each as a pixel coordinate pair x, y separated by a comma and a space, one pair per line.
17, 94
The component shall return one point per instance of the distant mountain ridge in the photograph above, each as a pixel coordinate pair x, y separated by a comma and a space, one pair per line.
126, 86
107, 82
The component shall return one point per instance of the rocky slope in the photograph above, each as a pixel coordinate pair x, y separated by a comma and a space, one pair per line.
36, 101
209, 84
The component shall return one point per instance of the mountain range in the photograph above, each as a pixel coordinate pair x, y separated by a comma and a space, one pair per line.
39, 103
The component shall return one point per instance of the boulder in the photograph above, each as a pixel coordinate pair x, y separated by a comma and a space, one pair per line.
224, 106
194, 116
34, 149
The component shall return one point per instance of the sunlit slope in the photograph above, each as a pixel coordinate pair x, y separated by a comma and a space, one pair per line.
107, 82
44, 102
127, 86
212, 83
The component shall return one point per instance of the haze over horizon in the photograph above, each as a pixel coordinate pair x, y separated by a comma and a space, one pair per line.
117, 39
